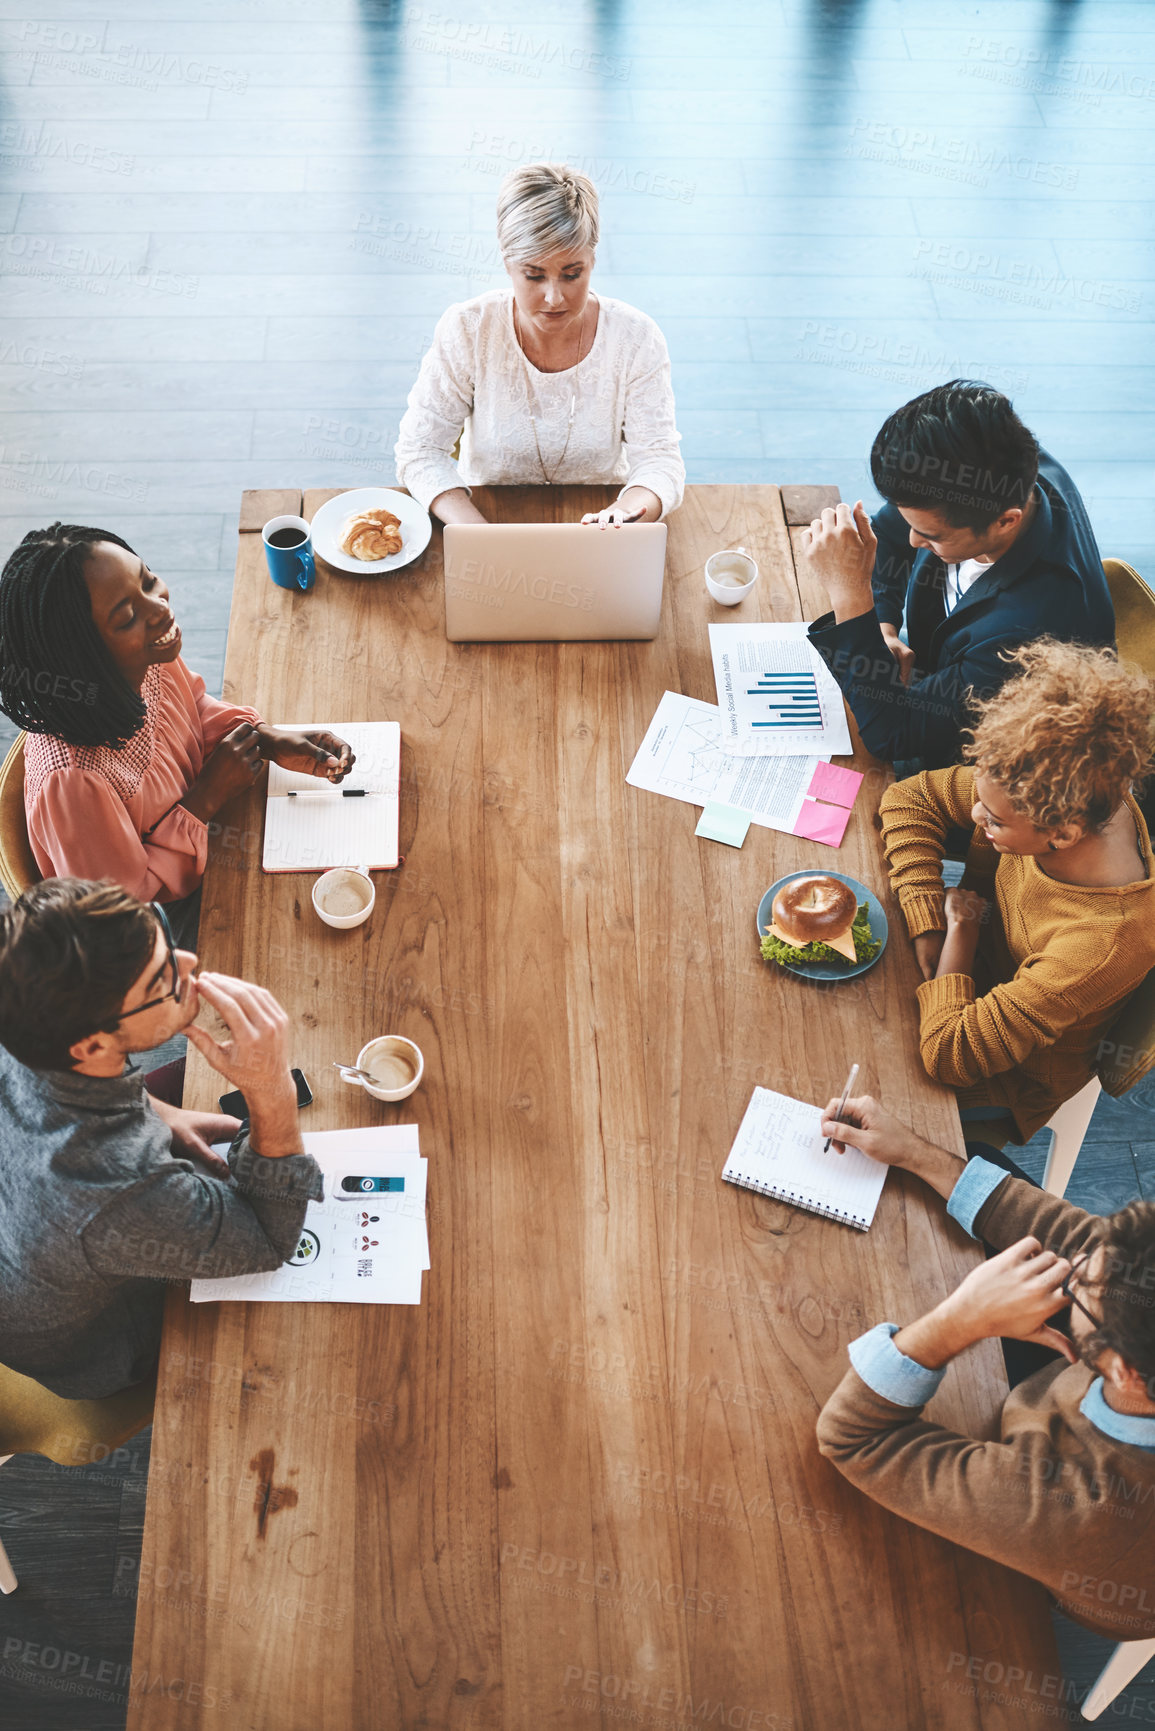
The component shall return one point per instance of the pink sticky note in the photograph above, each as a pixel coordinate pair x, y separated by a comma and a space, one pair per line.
822, 822
831, 781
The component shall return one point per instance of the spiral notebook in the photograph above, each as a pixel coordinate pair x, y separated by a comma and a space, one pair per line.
778, 1151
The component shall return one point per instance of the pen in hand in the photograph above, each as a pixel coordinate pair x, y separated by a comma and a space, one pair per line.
850, 1081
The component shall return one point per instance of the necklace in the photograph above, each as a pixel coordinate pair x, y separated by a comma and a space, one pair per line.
531, 393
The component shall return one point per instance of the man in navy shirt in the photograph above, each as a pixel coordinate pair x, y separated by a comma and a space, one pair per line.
983, 544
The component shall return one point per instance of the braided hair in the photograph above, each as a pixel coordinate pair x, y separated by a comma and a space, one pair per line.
57, 675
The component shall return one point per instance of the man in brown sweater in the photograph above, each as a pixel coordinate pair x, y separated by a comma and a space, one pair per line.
1066, 1494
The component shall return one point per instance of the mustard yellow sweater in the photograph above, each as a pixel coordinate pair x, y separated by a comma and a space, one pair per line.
1053, 966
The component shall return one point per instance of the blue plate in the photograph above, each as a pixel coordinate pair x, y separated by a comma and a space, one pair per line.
827, 970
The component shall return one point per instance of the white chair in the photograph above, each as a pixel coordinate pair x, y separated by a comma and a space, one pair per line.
7, 1574
1068, 1126
1121, 1668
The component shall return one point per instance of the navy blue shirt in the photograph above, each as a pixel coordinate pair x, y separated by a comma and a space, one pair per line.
1050, 582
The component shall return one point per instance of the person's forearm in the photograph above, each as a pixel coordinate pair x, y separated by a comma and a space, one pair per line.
267, 738
644, 500
958, 953
200, 803
274, 1120
851, 603
933, 1165
455, 506
935, 1339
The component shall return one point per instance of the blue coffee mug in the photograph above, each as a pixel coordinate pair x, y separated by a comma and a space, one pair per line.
289, 552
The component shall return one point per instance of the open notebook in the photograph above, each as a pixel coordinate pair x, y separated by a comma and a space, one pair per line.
778, 1150
315, 834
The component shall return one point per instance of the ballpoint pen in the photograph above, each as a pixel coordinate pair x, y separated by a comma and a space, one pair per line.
338, 792
850, 1081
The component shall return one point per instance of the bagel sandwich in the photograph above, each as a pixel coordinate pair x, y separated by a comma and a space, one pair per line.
818, 919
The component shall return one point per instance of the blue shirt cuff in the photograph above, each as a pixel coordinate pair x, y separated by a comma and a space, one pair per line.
889, 1372
978, 1180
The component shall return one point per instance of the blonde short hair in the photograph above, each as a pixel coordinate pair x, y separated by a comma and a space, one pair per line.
543, 208
1068, 735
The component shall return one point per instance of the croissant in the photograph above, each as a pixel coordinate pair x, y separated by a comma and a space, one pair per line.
371, 535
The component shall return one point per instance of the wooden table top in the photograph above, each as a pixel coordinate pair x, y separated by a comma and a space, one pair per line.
580, 1480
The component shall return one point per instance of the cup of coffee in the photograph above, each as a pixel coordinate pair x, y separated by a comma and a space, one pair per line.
344, 897
395, 1064
731, 575
289, 552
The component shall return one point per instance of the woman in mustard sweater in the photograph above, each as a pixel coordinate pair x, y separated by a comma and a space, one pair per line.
1018, 995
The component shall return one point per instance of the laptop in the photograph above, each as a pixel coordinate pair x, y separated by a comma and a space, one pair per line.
552, 582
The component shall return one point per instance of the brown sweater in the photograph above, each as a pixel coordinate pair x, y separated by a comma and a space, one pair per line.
1053, 967
1055, 1497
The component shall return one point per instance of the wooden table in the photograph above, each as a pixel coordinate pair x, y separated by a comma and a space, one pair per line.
580, 1481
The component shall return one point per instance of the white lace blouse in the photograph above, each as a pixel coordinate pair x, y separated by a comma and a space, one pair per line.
477, 381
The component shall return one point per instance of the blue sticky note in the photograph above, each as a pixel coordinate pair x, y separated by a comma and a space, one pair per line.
723, 823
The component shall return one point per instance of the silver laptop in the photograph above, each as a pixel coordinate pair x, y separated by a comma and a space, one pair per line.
552, 582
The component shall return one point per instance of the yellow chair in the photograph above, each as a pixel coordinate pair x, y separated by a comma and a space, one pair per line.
1129, 1052
34, 1421
1134, 603
18, 866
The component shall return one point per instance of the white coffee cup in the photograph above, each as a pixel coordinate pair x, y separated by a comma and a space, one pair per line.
731, 575
396, 1060
344, 897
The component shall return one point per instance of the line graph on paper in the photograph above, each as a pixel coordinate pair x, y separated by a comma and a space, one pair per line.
693, 756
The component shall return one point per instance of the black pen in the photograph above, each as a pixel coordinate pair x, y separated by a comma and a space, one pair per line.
344, 792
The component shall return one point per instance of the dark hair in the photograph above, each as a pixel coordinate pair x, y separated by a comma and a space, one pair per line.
69, 953
56, 673
960, 450
1125, 1293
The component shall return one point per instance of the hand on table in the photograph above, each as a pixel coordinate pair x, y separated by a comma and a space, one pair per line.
317, 752
613, 517
839, 548
634, 505
866, 1126
194, 1132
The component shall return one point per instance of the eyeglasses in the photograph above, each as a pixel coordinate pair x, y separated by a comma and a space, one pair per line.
174, 990
1068, 1294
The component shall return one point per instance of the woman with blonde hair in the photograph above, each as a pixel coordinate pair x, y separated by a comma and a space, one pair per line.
546, 382
1018, 996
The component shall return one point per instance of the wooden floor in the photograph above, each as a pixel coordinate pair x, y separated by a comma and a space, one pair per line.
226, 232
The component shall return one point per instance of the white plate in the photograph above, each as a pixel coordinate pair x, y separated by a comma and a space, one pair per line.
328, 522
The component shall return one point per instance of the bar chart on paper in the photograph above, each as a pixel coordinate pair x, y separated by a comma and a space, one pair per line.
776, 697
791, 699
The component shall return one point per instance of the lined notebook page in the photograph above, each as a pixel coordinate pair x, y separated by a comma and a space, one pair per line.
778, 1151
318, 834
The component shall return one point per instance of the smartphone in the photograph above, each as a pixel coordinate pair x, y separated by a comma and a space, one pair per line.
237, 1107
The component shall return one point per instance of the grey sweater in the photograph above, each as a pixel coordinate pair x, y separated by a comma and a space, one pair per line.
96, 1215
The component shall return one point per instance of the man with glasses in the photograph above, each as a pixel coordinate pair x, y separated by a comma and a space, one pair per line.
105, 1192
1066, 1492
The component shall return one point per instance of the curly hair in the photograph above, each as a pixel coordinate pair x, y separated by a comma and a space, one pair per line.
1126, 1293
1067, 736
